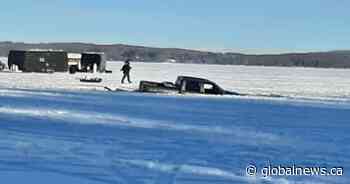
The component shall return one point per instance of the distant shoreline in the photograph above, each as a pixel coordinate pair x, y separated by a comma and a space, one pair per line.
120, 52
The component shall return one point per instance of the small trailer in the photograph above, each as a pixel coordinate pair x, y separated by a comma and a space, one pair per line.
185, 84
93, 62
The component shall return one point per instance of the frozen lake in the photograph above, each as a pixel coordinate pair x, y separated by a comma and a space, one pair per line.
311, 83
53, 136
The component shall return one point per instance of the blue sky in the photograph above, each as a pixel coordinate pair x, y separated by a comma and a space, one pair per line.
237, 25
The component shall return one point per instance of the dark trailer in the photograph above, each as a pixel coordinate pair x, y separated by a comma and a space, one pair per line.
38, 61
89, 60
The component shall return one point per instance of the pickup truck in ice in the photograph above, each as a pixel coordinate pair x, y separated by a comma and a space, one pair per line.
185, 84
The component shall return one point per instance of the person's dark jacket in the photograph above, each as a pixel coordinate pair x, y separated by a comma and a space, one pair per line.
126, 68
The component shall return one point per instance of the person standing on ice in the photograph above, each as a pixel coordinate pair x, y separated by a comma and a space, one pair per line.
126, 71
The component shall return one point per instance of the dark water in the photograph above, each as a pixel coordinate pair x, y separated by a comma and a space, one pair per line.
92, 137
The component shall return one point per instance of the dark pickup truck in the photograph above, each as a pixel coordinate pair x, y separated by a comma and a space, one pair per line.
185, 84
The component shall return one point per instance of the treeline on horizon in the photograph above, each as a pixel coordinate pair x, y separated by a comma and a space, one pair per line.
120, 52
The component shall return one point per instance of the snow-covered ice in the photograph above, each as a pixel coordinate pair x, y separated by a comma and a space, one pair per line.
54, 129
293, 82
